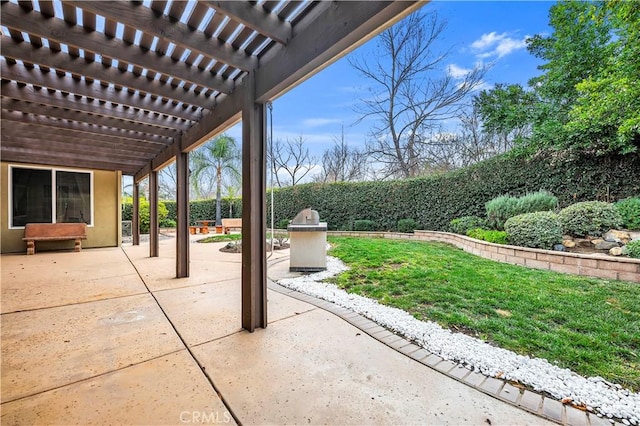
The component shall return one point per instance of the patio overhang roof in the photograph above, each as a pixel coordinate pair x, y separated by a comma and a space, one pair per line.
130, 85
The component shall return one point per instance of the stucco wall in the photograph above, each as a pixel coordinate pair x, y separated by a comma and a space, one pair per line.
105, 232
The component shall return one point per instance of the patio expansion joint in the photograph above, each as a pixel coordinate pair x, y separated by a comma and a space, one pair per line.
488, 385
85, 379
186, 346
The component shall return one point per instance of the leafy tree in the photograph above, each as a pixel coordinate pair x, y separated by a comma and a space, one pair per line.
222, 156
589, 91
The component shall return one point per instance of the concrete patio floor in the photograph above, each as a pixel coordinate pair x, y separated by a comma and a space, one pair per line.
108, 336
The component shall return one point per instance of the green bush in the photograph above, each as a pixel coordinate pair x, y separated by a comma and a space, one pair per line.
492, 236
589, 218
463, 224
504, 207
407, 225
629, 210
540, 201
537, 230
632, 249
364, 225
283, 224
167, 223
144, 215
500, 209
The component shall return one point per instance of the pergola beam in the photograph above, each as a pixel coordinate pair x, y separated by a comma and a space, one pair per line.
57, 30
79, 130
35, 77
88, 106
94, 70
255, 17
162, 26
142, 129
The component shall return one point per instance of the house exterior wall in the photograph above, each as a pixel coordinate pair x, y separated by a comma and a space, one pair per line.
104, 232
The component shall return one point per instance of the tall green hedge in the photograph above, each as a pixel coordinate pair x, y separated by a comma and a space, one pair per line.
435, 200
198, 210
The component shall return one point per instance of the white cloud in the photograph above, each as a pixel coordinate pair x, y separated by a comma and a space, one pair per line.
457, 72
499, 45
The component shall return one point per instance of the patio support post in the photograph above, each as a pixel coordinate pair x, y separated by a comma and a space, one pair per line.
135, 215
182, 208
254, 265
153, 214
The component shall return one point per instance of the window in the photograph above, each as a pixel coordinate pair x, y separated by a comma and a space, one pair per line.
50, 196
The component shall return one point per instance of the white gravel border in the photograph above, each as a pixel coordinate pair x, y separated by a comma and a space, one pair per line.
595, 393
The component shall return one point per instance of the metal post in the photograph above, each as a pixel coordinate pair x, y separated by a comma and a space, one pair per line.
254, 265
182, 223
135, 215
154, 229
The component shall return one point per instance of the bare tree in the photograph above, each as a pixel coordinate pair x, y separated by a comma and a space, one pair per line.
412, 93
341, 163
291, 161
167, 182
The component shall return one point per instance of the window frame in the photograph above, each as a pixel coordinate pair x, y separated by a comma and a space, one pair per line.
54, 191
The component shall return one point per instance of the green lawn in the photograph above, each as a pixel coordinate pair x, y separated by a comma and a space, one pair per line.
220, 238
589, 325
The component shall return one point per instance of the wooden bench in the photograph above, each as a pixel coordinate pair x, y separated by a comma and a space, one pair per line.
229, 224
54, 232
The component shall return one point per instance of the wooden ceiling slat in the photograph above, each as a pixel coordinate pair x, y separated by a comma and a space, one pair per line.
129, 34
228, 30
46, 8
110, 27
216, 20
98, 120
13, 17
198, 13
255, 43
159, 6
162, 26
57, 99
26, 4
255, 17
96, 71
177, 9
39, 124
242, 38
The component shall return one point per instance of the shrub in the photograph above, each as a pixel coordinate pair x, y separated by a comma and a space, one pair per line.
589, 218
364, 225
407, 225
283, 224
500, 209
167, 223
492, 236
536, 230
540, 201
463, 224
145, 221
632, 249
629, 210
504, 207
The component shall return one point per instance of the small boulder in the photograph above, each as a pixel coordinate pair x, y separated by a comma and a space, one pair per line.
606, 245
615, 251
597, 241
616, 236
568, 243
559, 247
583, 242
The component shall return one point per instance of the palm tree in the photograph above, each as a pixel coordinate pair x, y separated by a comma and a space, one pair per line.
221, 156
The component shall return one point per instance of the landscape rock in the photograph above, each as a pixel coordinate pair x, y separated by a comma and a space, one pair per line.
606, 245
568, 243
583, 242
559, 247
597, 241
617, 236
615, 251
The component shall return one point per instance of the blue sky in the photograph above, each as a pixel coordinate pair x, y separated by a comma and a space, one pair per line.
490, 32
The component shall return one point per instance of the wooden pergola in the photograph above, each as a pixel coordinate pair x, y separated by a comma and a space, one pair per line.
134, 86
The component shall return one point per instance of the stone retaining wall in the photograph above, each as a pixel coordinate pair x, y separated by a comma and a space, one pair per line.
592, 265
